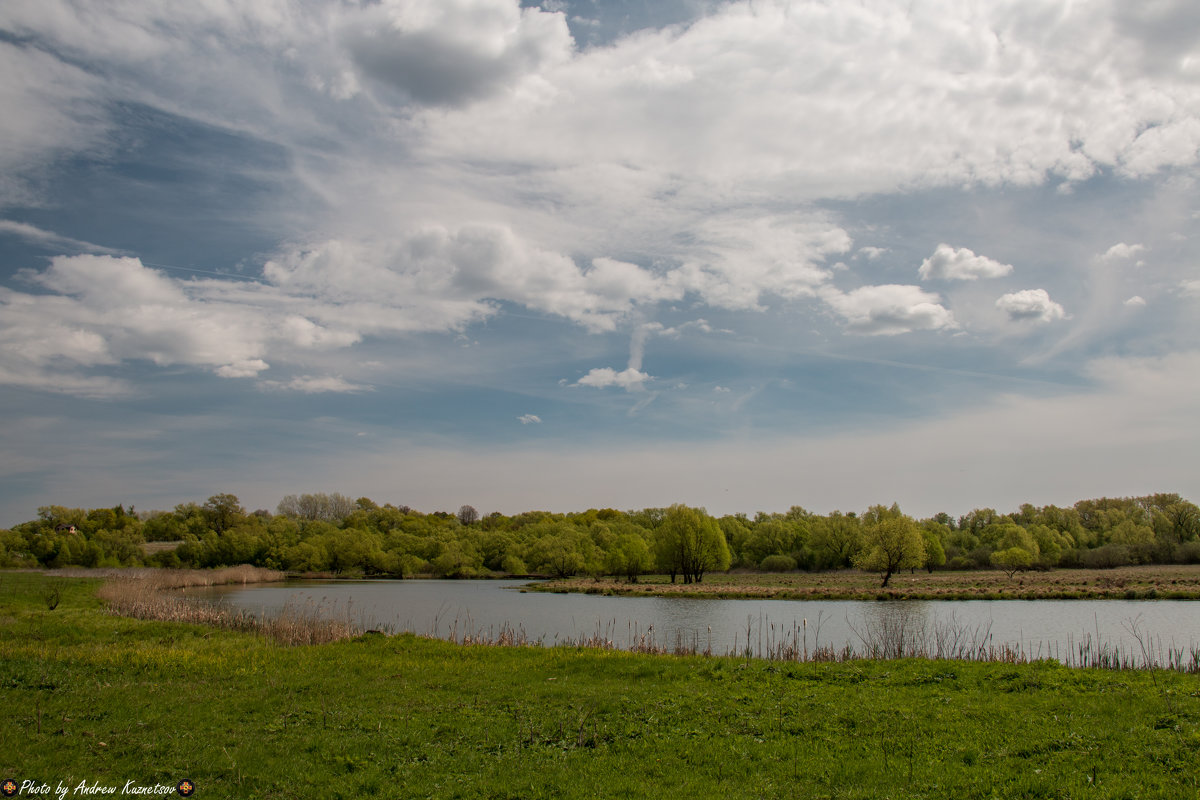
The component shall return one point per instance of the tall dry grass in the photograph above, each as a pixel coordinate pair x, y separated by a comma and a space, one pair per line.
881, 639
152, 594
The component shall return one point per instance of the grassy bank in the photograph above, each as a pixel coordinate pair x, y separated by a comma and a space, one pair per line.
90, 696
1164, 582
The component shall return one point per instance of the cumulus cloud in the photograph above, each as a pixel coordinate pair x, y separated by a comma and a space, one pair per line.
95, 311
444, 277
451, 52
1190, 288
529, 419
949, 263
889, 310
734, 261
1032, 305
1137, 301
1122, 252
627, 379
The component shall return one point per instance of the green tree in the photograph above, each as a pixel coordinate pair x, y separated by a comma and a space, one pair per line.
935, 554
629, 556
222, 512
890, 545
836, 539
1012, 559
690, 543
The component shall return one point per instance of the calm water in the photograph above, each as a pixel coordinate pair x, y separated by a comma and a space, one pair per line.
1041, 628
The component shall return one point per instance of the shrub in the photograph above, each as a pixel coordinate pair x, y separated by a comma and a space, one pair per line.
960, 563
513, 565
1106, 557
777, 563
1188, 553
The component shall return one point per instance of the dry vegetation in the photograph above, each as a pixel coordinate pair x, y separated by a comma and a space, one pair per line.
148, 594
1180, 582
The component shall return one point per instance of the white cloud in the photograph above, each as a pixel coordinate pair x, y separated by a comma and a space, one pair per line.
313, 384
734, 261
949, 263
1190, 288
1030, 305
527, 419
442, 278
889, 310
248, 368
601, 377
49, 109
515, 167
452, 52
41, 236
1122, 252
1137, 301
99, 311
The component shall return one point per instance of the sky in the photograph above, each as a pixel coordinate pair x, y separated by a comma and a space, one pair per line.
599, 253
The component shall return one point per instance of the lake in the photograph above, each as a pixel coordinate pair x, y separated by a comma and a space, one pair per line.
1059, 629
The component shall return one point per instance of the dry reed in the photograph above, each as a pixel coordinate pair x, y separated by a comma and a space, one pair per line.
147, 594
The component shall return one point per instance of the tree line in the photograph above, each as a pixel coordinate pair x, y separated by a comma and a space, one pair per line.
331, 533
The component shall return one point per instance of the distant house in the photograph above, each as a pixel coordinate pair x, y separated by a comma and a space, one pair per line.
64, 527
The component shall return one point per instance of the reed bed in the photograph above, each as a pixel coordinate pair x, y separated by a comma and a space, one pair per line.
161, 579
148, 594
882, 639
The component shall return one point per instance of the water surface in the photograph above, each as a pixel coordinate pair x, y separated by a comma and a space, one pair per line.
454, 609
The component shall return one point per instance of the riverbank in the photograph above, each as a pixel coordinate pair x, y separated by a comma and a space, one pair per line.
96, 698
1166, 582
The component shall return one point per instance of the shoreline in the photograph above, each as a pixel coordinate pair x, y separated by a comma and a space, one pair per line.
1150, 582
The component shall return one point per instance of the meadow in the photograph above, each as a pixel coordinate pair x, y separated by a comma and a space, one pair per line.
94, 697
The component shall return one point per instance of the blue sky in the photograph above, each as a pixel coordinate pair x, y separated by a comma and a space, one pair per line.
742, 255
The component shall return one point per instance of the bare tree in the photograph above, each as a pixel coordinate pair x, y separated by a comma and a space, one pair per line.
468, 515
326, 507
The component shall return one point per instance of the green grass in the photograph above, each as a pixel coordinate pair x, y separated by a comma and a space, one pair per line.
92, 697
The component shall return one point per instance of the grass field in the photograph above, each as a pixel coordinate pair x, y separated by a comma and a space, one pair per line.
1177, 582
101, 699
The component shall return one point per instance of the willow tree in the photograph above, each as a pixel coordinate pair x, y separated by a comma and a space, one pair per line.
890, 545
690, 543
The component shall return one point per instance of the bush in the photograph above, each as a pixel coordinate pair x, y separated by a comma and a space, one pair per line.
777, 563
1106, 557
960, 563
513, 565
1188, 553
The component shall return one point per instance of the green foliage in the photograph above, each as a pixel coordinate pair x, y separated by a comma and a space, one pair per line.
328, 532
1012, 560
893, 542
629, 557
689, 542
777, 563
